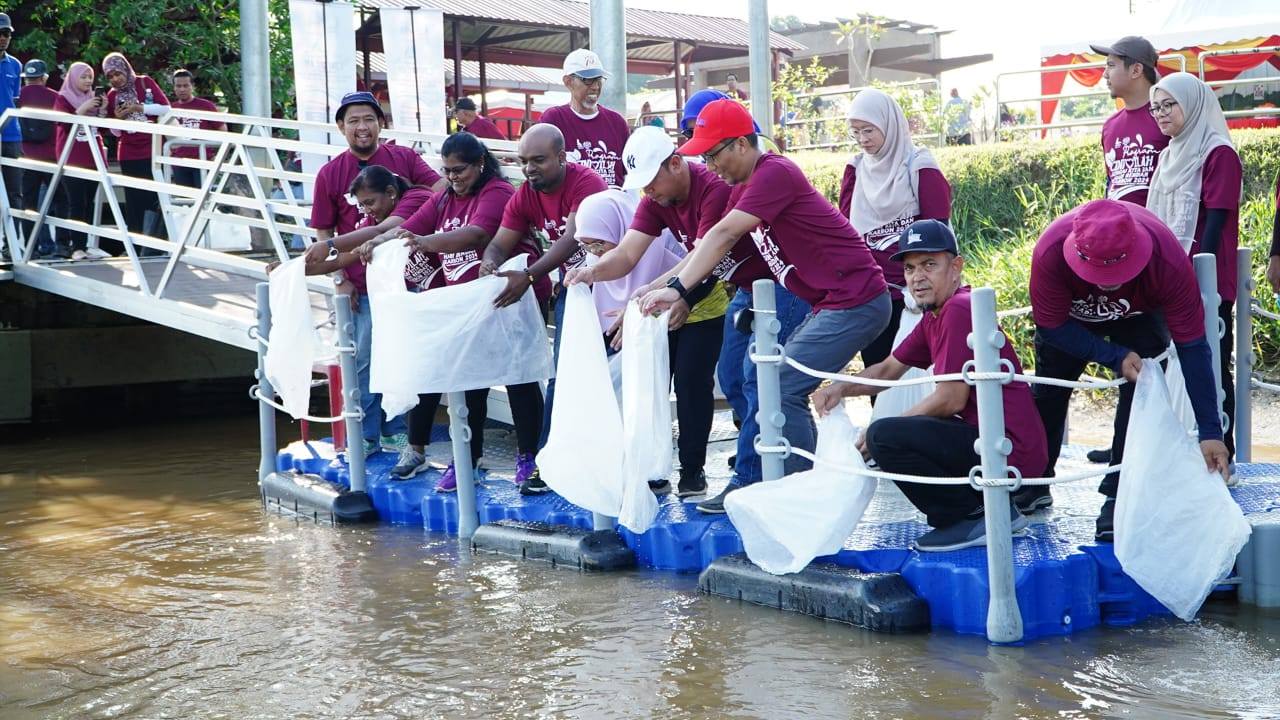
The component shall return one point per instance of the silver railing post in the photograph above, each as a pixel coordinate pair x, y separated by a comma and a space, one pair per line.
350, 391
1206, 266
266, 413
1004, 620
1244, 354
765, 328
460, 434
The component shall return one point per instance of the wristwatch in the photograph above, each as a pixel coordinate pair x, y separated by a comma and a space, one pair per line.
675, 284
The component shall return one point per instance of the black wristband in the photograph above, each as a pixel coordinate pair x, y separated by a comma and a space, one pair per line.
675, 284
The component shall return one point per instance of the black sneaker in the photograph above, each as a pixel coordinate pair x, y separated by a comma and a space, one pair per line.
660, 487
1105, 527
967, 533
534, 485
1102, 455
715, 505
1032, 498
690, 486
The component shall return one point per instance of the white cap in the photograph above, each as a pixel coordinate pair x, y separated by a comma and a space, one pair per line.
647, 148
584, 63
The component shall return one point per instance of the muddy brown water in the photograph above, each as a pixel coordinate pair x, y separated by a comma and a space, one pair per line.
139, 578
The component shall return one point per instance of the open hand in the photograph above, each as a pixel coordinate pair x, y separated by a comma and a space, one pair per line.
518, 282
828, 398
656, 302
1216, 458
1131, 366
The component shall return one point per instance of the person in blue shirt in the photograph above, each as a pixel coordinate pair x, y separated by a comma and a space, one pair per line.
10, 135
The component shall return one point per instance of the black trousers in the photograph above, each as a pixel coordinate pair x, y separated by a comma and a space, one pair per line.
930, 447
138, 202
693, 352
880, 348
1143, 334
526, 414
32, 183
12, 175
189, 177
81, 194
1225, 348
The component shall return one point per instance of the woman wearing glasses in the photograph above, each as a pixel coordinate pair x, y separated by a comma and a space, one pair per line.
457, 224
889, 185
1196, 192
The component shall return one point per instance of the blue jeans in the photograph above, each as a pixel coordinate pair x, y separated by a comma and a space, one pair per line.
792, 312
734, 346
558, 310
375, 422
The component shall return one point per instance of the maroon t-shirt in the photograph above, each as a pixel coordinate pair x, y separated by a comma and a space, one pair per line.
1131, 145
195, 103
935, 204
134, 145
450, 211
807, 244
941, 340
481, 127
1220, 186
1167, 284
39, 96
530, 211
81, 156
706, 205
405, 208
332, 208
596, 142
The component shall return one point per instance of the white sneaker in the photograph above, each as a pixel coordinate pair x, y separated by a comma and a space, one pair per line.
98, 253
79, 255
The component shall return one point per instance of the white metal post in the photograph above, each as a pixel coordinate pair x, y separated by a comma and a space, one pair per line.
1004, 620
1244, 354
350, 391
460, 434
609, 41
266, 413
765, 329
760, 63
255, 58
1206, 266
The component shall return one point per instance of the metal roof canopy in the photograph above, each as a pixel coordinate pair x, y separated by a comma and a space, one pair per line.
539, 33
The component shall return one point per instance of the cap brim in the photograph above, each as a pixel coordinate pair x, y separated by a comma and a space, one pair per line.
1103, 50
697, 145
639, 178
589, 73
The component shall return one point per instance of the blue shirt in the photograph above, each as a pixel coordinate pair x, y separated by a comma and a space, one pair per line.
10, 86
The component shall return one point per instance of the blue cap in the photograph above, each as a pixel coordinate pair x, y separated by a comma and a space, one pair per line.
34, 69
701, 99
358, 98
926, 236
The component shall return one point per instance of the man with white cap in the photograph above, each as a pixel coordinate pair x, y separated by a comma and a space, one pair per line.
1110, 284
593, 135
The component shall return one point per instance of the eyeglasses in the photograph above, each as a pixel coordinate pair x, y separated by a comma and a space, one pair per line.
6, 33
455, 170
590, 82
863, 133
1162, 108
709, 157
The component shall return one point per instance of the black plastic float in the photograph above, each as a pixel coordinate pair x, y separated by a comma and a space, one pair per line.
882, 602
590, 550
313, 497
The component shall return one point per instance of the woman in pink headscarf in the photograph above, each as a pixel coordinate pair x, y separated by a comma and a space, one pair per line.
77, 97
139, 98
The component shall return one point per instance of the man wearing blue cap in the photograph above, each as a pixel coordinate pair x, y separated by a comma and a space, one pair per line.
935, 438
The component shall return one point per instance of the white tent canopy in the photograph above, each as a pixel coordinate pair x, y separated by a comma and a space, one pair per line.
1191, 22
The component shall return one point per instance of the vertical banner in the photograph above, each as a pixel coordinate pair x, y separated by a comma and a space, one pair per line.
413, 40
324, 69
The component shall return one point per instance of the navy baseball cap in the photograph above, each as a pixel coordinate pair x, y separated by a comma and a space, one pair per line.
926, 236
34, 69
358, 98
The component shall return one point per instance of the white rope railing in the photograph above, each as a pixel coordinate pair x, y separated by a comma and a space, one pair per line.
1263, 312
255, 392
1013, 312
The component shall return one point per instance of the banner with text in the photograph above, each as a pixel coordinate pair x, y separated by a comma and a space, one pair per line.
413, 40
324, 69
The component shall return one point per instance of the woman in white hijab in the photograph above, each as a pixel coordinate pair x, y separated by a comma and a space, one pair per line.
694, 347
1196, 192
889, 185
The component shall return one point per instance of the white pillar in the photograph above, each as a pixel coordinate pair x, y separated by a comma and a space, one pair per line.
255, 59
761, 65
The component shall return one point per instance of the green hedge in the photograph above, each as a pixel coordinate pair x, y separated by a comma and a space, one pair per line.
1004, 195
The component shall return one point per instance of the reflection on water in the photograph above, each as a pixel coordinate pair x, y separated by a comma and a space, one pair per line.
139, 578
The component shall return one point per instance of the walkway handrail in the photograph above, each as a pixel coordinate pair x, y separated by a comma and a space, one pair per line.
1260, 50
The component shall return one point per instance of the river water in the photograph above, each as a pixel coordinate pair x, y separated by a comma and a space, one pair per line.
139, 578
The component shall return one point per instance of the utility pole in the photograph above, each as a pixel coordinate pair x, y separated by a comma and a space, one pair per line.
609, 41
758, 62
255, 59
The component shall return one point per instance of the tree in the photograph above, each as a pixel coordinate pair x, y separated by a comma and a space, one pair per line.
793, 88
868, 29
158, 37
782, 23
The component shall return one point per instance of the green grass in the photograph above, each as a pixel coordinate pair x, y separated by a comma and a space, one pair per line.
1004, 195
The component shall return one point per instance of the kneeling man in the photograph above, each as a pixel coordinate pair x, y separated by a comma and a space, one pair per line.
935, 438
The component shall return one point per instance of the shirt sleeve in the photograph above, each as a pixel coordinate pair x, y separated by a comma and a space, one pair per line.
935, 195
514, 215
323, 214
914, 349
423, 222
410, 203
1221, 176
1179, 295
588, 184
846, 189
1050, 294
646, 219
951, 344
490, 206
770, 191
420, 173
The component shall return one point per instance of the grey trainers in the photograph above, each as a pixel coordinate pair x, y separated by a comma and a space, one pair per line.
970, 532
715, 505
1032, 498
410, 463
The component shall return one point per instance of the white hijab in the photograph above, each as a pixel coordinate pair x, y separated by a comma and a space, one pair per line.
888, 182
1174, 195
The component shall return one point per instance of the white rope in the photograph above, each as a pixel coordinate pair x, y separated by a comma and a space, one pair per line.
253, 333
1086, 382
256, 393
1261, 385
1259, 310
1014, 312
869, 472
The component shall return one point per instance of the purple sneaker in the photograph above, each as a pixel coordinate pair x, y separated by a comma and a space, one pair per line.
448, 483
525, 467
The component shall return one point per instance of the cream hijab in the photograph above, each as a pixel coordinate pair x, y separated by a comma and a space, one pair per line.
888, 182
1174, 195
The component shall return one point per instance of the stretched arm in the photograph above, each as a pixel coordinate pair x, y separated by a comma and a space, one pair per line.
560, 251
707, 253
504, 243
946, 400
616, 263
468, 237
826, 399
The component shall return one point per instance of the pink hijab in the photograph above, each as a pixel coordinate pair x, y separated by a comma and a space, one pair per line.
69, 91
606, 216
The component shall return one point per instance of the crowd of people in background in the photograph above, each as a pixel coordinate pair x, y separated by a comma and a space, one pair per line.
685, 220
